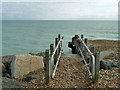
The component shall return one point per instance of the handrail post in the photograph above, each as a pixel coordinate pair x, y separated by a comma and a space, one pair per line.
59, 44
51, 52
56, 53
77, 46
91, 63
85, 53
81, 43
47, 72
97, 66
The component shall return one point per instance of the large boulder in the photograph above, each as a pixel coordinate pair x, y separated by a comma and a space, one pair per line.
11, 83
108, 64
4, 70
23, 64
6, 63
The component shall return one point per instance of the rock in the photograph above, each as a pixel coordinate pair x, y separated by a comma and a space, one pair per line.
11, 83
30, 77
115, 74
107, 79
115, 64
24, 64
6, 75
6, 60
119, 70
3, 68
102, 65
109, 67
70, 44
108, 64
106, 73
38, 54
4, 71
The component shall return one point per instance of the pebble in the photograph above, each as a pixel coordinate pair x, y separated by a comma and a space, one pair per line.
102, 73
107, 79
106, 73
115, 74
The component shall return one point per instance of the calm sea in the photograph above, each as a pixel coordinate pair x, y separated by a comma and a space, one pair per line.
22, 37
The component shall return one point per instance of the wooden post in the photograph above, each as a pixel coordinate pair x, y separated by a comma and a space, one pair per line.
97, 66
85, 53
82, 36
47, 72
73, 39
51, 51
59, 45
56, 53
81, 43
92, 50
76, 44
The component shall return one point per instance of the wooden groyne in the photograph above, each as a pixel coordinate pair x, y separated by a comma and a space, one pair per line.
52, 58
79, 46
68, 71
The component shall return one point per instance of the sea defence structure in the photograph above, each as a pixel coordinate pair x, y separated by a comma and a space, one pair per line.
20, 65
53, 68
79, 46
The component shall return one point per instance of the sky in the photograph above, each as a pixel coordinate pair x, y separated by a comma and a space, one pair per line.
60, 10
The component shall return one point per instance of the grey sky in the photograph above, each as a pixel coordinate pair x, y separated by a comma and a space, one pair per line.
94, 10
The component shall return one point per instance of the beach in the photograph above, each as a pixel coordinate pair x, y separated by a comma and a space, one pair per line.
72, 73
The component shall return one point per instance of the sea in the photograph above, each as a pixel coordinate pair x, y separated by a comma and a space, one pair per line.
35, 36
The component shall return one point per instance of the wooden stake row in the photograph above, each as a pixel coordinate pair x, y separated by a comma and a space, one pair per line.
78, 44
48, 55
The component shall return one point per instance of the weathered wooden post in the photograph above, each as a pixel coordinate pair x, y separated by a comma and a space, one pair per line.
51, 49
85, 52
82, 36
76, 44
51, 52
56, 53
97, 66
73, 40
59, 44
47, 72
81, 43
91, 63
119, 65
73, 44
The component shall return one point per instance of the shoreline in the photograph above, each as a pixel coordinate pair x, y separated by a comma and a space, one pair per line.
95, 43
101, 45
